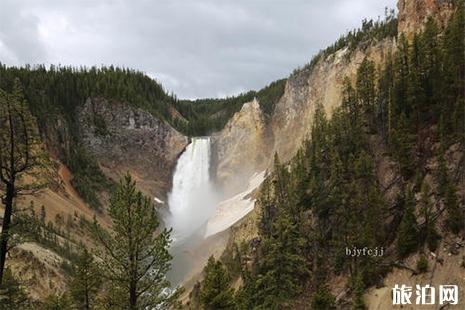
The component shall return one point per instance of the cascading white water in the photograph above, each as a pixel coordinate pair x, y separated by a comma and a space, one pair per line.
191, 200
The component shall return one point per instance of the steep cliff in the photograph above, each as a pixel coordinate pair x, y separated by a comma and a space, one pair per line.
124, 138
321, 84
241, 148
248, 142
413, 14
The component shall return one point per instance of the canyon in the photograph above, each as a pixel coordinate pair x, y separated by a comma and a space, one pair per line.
206, 188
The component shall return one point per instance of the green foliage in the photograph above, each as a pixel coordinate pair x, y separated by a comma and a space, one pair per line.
365, 86
100, 125
12, 294
134, 257
455, 218
31, 228
401, 144
370, 31
422, 264
407, 236
207, 115
323, 299
281, 267
216, 292
447, 190
88, 179
423, 84
85, 281
428, 232
57, 302
358, 288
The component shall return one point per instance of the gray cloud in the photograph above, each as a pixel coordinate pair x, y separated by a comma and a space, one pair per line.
201, 48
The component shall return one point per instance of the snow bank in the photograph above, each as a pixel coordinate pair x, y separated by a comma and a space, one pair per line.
233, 209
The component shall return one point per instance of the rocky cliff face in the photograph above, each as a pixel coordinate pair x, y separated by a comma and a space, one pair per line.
322, 84
414, 13
248, 142
129, 139
241, 148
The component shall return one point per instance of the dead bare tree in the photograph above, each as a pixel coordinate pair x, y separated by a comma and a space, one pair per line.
21, 154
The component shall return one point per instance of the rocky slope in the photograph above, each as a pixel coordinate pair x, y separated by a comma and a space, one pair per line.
241, 148
247, 143
413, 14
124, 138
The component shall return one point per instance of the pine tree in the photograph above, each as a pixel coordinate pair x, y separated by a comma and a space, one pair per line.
407, 236
365, 86
86, 281
402, 142
216, 292
358, 288
21, 154
283, 267
12, 294
135, 258
454, 71
428, 231
57, 302
401, 81
455, 216
323, 299
385, 98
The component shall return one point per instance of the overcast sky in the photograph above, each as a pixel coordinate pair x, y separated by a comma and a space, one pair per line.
195, 48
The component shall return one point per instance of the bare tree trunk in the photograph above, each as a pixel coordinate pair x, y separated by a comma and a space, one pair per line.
8, 201
133, 295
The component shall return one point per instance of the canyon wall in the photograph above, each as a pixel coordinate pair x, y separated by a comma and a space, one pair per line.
413, 14
124, 139
249, 140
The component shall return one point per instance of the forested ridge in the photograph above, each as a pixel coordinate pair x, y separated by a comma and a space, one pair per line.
409, 112
55, 94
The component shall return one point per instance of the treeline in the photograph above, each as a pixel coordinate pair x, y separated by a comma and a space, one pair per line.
54, 95
328, 198
211, 114
370, 31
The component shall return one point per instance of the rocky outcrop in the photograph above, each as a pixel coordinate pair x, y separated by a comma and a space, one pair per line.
124, 139
247, 143
322, 84
241, 148
414, 13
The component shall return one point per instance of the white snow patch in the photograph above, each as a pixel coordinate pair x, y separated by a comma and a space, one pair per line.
158, 200
233, 209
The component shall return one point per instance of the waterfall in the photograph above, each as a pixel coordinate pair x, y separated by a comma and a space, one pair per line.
191, 203
191, 200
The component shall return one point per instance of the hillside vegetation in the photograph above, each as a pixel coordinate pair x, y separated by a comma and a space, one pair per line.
405, 119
